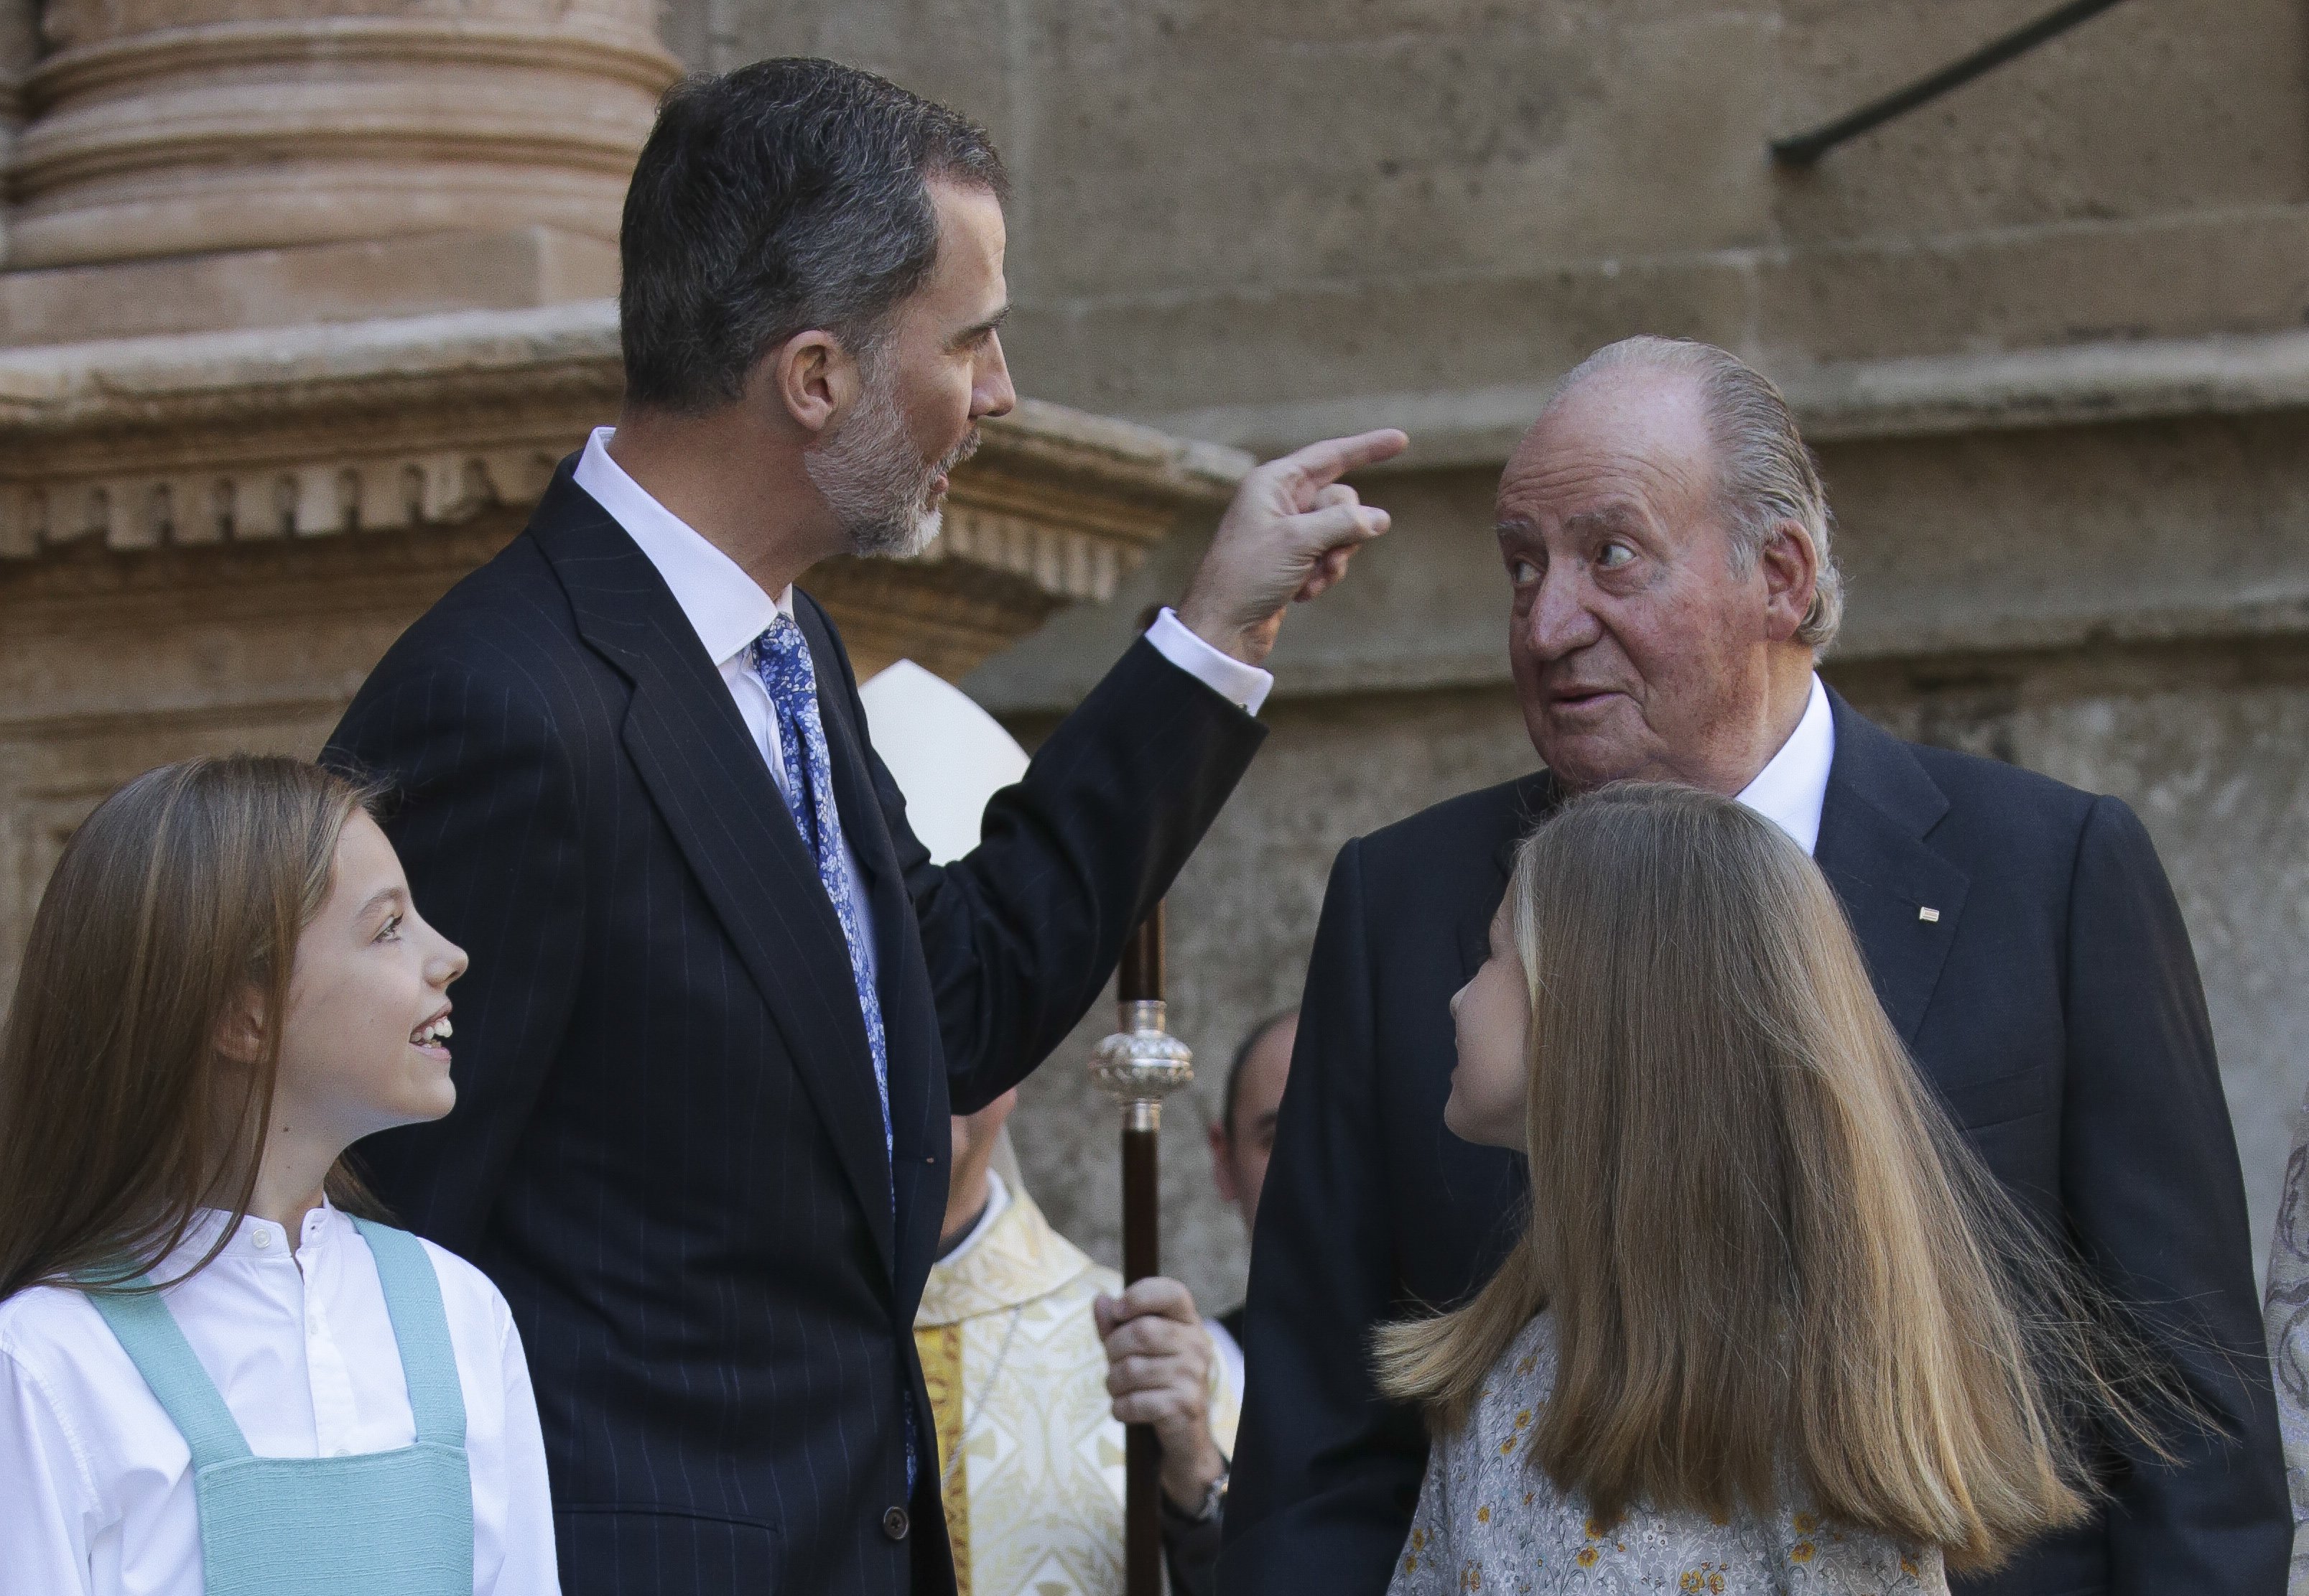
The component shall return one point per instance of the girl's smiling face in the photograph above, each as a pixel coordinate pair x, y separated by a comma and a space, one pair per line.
364, 1045
1492, 1015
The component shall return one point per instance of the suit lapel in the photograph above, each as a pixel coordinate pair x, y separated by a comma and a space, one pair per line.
709, 785
1902, 898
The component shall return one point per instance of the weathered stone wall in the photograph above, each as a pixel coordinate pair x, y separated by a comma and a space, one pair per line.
1227, 204
2044, 328
2202, 734
1253, 223
110, 666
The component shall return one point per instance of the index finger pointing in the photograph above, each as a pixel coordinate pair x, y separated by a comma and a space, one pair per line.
1321, 464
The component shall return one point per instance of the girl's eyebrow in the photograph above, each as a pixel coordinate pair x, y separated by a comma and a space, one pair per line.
384, 895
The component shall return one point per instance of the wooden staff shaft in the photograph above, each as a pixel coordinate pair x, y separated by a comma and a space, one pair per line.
1142, 1251
1140, 980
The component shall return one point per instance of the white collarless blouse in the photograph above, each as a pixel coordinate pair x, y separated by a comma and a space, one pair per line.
96, 1489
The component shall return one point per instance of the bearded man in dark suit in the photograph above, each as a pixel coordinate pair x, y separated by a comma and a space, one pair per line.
1665, 540
722, 1003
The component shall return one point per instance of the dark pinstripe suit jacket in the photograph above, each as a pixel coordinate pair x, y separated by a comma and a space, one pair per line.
667, 1149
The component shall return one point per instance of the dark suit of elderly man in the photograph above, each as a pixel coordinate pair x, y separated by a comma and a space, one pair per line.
1666, 542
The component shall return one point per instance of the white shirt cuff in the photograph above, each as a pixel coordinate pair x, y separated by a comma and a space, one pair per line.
1244, 686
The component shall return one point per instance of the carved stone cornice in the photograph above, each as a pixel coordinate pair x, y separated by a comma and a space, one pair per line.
368, 428
2067, 386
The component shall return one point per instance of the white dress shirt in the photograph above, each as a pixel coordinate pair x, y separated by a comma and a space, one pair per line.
727, 609
1790, 790
95, 1485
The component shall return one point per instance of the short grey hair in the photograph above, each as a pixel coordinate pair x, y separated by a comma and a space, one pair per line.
1765, 474
787, 194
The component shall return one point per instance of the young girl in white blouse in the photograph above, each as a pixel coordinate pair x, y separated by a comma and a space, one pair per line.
1769, 1327
217, 1372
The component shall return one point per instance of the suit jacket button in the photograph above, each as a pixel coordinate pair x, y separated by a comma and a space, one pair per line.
894, 1523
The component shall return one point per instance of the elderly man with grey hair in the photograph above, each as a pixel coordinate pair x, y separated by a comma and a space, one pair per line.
1666, 544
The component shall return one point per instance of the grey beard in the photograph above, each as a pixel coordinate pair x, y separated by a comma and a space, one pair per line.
875, 483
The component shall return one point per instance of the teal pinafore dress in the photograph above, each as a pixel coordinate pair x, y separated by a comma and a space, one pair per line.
385, 1523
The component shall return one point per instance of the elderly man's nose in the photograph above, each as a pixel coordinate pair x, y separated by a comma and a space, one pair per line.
1560, 621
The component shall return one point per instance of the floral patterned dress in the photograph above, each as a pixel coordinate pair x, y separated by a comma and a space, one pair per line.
2286, 1311
1489, 1521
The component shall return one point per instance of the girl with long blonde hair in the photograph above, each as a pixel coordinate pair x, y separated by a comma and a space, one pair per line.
1769, 1328
219, 1371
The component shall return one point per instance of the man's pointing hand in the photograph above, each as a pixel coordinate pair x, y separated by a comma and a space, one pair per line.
1288, 535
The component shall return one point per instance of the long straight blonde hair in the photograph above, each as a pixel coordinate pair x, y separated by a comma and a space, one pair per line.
1765, 1249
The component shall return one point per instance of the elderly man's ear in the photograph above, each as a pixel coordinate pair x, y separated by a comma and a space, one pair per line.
1791, 572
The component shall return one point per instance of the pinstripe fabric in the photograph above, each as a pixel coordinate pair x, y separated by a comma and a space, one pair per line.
668, 1147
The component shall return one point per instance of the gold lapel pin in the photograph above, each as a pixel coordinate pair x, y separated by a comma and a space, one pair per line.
1929, 917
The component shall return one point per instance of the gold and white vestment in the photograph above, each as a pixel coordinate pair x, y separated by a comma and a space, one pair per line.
1012, 1359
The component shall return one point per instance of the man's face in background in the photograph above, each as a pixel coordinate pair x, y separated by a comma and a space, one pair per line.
1241, 1145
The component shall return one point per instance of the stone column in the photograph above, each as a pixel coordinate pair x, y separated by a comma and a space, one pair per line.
18, 47
176, 127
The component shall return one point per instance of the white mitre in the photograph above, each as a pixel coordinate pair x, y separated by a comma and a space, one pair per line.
948, 755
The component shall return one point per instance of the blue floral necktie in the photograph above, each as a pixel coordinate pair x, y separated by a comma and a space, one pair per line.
782, 660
